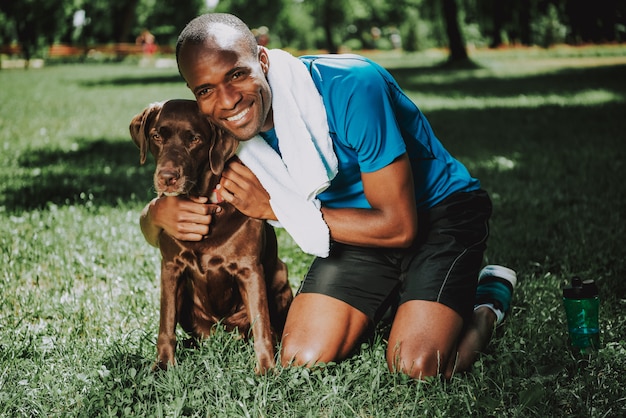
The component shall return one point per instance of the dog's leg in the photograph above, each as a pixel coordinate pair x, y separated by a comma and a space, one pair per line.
280, 295
254, 294
278, 290
166, 342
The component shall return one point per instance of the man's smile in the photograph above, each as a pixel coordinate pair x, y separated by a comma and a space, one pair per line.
238, 116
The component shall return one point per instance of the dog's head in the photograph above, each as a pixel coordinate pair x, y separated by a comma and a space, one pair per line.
190, 151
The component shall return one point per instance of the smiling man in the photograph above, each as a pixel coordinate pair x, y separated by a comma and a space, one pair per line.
408, 223
235, 93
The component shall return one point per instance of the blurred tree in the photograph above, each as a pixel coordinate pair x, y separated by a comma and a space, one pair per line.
498, 14
263, 13
331, 14
594, 22
322, 24
458, 52
429, 24
374, 22
166, 18
289, 22
109, 20
294, 27
33, 23
411, 39
524, 12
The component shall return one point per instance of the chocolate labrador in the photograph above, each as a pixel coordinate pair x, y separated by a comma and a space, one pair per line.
232, 277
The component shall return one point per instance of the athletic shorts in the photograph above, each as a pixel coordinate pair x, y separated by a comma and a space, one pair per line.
441, 265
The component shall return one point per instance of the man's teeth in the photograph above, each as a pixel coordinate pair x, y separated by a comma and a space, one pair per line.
238, 116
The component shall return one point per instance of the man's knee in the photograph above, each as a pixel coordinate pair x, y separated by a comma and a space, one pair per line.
299, 353
320, 329
423, 337
417, 364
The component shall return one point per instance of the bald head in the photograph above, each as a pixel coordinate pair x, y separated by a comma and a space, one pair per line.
222, 29
226, 71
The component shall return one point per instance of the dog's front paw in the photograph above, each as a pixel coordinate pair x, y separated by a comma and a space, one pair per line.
165, 358
264, 365
162, 365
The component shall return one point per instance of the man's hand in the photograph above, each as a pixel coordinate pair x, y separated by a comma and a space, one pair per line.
186, 219
241, 188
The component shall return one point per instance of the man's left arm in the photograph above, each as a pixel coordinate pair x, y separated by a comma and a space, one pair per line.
392, 219
390, 222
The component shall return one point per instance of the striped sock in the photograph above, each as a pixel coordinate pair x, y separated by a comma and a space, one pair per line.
495, 290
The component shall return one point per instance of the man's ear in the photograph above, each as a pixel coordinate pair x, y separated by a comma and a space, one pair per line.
264, 60
140, 125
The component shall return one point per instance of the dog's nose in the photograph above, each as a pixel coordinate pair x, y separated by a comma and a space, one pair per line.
169, 177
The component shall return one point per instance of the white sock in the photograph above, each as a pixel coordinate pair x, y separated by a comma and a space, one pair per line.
499, 314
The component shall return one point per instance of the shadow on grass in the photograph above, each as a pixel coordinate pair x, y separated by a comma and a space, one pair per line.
134, 81
458, 80
562, 82
100, 172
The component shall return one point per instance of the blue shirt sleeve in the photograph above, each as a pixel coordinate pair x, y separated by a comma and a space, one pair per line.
360, 111
372, 122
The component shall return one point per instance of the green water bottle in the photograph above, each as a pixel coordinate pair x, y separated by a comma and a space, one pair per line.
582, 305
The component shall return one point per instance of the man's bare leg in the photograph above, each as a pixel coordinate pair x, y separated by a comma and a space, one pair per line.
320, 328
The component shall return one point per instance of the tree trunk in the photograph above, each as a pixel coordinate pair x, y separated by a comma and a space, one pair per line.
327, 17
498, 20
458, 53
126, 20
524, 23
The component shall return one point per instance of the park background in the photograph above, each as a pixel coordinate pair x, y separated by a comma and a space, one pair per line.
531, 97
98, 29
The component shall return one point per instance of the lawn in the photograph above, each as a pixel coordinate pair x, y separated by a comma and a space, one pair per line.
544, 131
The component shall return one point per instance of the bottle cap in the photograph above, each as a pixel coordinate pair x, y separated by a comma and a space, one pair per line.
579, 289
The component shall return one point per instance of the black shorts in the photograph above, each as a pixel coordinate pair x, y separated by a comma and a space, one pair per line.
442, 265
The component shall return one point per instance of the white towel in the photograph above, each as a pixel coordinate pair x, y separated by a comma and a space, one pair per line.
308, 162
301, 124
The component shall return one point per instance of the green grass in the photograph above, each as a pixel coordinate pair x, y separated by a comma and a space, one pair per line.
543, 130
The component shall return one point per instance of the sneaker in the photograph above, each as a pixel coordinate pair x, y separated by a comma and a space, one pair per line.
495, 290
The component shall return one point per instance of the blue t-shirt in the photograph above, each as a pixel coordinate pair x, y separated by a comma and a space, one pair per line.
372, 122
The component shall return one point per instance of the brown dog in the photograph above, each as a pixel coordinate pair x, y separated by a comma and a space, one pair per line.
233, 276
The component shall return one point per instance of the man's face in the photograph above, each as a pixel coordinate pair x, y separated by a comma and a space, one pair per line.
229, 84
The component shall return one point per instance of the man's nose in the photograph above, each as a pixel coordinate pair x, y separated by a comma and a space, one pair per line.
229, 96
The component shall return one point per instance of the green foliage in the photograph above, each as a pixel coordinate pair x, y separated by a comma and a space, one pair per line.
542, 129
316, 24
167, 18
295, 28
33, 22
263, 13
548, 28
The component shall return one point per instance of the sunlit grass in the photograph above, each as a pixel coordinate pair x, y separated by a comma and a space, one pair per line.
531, 101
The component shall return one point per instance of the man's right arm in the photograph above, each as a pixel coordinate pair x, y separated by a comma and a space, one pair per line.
186, 219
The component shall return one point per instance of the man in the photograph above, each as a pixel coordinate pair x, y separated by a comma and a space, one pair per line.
408, 224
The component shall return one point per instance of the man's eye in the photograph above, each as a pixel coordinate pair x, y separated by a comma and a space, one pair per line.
238, 75
204, 92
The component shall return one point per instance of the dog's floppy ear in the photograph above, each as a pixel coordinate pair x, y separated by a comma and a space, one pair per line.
139, 126
222, 149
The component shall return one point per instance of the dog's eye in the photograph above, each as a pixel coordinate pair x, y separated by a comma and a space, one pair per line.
196, 139
156, 138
